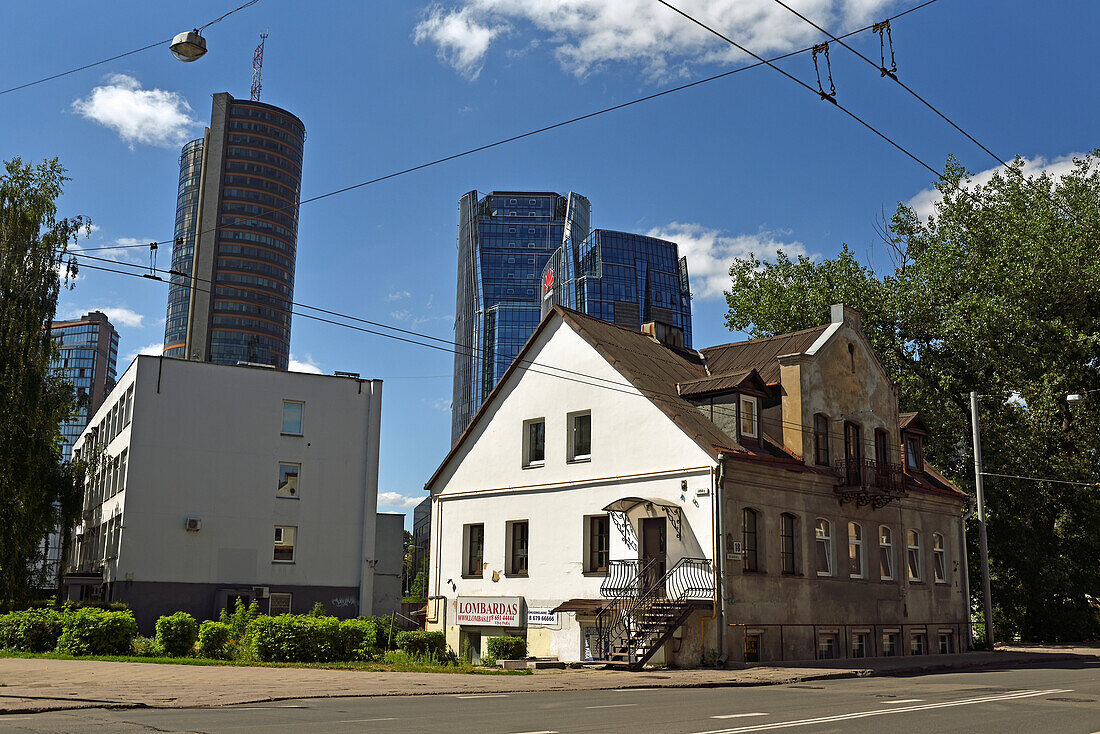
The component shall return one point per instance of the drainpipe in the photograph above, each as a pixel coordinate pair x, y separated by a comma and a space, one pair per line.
970, 510
720, 557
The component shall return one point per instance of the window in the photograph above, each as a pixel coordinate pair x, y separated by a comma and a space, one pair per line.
288, 479
826, 646
788, 529
913, 547
284, 543
129, 405
889, 644
598, 543
474, 549
580, 436
918, 644
946, 646
939, 559
292, 418
882, 447
859, 644
122, 469
824, 540
853, 453
517, 548
885, 553
913, 452
534, 442
278, 603
821, 439
855, 551
852, 356
748, 531
748, 417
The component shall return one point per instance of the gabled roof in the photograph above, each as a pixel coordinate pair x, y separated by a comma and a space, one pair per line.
747, 381
913, 423
761, 354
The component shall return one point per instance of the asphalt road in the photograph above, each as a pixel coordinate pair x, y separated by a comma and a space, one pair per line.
1056, 699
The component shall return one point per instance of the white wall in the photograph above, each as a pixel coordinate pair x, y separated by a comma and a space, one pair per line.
205, 442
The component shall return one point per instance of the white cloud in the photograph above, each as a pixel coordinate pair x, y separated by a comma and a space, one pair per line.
119, 316
710, 252
589, 34
89, 229
308, 365
146, 116
129, 252
443, 405
397, 296
153, 349
924, 203
394, 499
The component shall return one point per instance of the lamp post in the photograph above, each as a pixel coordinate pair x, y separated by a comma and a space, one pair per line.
983, 543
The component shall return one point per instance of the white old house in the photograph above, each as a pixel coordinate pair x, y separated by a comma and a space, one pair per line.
609, 481
212, 483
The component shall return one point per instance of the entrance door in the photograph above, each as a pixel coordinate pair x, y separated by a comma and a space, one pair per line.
653, 550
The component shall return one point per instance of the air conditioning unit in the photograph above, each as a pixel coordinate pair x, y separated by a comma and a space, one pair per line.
260, 592
193, 524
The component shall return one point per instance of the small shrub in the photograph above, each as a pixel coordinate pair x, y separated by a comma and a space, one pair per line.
387, 631
239, 620
318, 610
214, 640
358, 640
32, 630
506, 648
177, 634
147, 647
418, 643
97, 632
295, 639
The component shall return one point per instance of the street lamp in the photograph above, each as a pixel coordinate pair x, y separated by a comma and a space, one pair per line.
188, 46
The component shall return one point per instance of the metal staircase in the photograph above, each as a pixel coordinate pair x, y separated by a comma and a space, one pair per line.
646, 607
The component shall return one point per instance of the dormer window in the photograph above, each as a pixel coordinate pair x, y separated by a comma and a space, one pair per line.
749, 418
914, 455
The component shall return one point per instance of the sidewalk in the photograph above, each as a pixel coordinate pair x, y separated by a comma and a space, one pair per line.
32, 685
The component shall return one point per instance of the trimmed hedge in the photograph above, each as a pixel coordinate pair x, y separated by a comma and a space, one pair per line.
176, 634
214, 640
295, 639
33, 630
506, 648
96, 632
423, 644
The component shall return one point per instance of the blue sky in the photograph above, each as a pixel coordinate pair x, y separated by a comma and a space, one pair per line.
750, 163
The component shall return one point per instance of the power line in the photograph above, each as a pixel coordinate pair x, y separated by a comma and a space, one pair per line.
1041, 479
556, 125
120, 56
889, 73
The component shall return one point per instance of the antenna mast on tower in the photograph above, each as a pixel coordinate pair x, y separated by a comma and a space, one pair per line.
257, 68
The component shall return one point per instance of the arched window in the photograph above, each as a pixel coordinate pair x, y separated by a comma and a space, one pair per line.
852, 356
939, 559
821, 439
788, 531
885, 553
913, 554
855, 551
749, 518
823, 540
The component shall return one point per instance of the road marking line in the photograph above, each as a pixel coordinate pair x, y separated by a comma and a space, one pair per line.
884, 712
263, 708
631, 690
357, 721
485, 695
612, 706
903, 700
544, 731
737, 716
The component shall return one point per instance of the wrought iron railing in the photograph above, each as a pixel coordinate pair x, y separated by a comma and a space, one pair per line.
871, 474
690, 579
624, 577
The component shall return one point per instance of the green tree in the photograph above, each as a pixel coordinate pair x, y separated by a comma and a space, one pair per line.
997, 292
38, 486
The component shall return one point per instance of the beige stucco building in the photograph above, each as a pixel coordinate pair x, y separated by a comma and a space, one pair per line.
620, 499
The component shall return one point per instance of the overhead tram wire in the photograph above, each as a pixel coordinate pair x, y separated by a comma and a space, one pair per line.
893, 76
120, 56
444, 345
554, 126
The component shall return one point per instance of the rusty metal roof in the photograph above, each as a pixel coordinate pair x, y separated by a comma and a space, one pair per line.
760, 354
748, 381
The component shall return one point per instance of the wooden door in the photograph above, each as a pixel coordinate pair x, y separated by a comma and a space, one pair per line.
653, 553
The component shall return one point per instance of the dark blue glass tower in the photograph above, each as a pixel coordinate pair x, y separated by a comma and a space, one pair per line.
508, 242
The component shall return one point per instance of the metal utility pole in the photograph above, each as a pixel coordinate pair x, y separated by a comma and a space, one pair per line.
983, 544
257, 68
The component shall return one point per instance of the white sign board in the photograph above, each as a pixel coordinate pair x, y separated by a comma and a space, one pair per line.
541, 618
490, 611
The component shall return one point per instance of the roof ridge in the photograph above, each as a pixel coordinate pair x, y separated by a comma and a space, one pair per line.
767, 338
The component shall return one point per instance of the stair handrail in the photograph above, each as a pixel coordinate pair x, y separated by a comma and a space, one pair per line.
624, 577
688, 578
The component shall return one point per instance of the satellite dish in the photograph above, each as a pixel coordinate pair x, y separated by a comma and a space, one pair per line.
188, 46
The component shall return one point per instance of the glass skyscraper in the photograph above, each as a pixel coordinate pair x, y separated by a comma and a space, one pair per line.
236, 234
507, 243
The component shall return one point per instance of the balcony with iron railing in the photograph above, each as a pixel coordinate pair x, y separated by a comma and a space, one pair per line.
866, 481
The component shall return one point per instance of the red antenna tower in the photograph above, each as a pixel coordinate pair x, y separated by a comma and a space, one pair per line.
257, 68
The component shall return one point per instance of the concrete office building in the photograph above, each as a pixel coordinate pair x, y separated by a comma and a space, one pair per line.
508, 242
236, 235
215, 483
